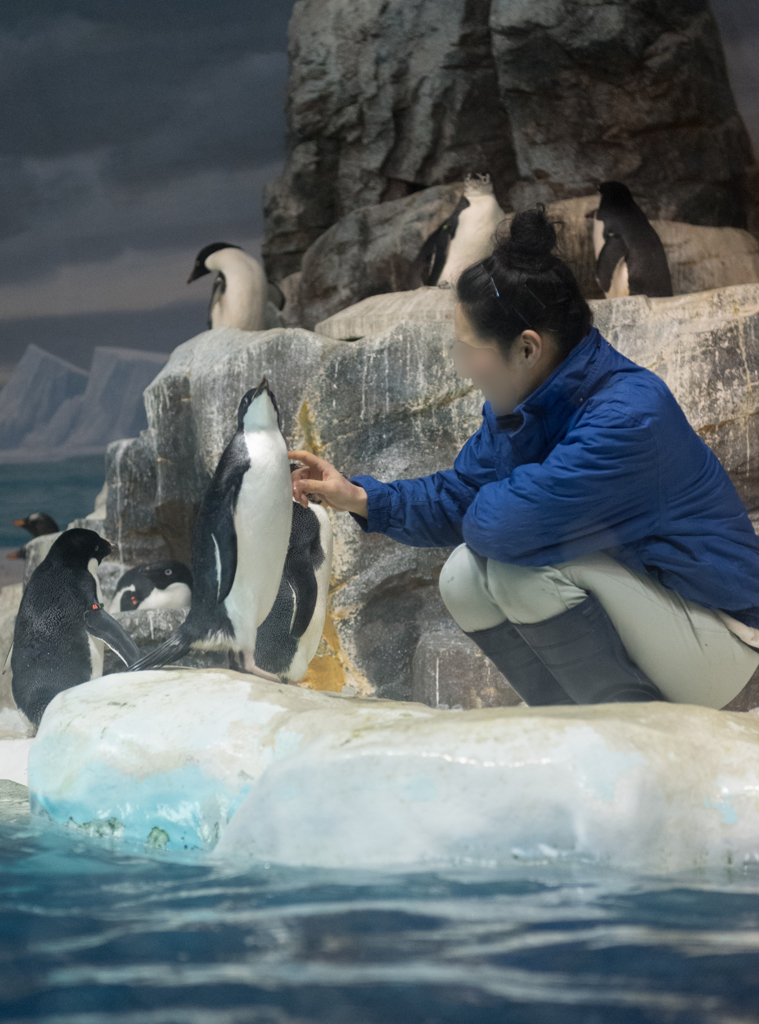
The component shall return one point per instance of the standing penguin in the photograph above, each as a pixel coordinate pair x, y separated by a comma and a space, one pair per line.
288, 637
61, 624
463, 238
240, 289
38, 524
240, 540
630, 258
165, 584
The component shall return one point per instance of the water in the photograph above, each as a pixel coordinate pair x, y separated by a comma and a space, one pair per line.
65, 490
91, 933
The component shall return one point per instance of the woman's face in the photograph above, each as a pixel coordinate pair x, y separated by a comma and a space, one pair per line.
505, 380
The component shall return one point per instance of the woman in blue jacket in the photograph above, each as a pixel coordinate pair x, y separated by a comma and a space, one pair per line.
603, 553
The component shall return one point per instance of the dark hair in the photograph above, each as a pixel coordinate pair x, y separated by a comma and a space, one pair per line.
524, 284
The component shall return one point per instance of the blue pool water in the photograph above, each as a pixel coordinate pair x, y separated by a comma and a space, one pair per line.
65, 490
91, 933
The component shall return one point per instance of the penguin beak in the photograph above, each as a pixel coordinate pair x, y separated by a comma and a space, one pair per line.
19, 522
198, 271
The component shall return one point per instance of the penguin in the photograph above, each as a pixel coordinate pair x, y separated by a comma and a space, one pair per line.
240, 541
61, 624
289, 636
464, 238
630, 257
240, 289
165, 584
38, 524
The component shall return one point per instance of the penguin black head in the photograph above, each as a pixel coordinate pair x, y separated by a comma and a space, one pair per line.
200, 268
614, 193
38, 523
163, 574
77, 547
261, 393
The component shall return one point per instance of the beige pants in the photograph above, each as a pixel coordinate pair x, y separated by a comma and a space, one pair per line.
685, 649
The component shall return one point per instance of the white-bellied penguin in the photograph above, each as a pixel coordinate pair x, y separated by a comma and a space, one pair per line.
289, 636
239, 542
61, 624
240, 289
464, 238
630, 257
165, 584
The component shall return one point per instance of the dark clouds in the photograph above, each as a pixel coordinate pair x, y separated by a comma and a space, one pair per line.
106, 103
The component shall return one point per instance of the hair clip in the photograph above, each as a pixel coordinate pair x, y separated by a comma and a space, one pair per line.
498, 296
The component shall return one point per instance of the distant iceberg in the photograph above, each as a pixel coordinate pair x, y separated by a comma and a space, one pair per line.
51, 410
41, 383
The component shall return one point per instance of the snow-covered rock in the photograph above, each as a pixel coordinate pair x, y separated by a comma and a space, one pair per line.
281, 774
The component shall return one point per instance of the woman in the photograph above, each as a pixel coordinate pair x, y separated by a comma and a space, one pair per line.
603, 552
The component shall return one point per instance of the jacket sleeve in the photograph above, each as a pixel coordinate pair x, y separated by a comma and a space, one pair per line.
597, 489
428, 511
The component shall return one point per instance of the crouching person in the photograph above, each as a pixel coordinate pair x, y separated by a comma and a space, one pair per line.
602, 552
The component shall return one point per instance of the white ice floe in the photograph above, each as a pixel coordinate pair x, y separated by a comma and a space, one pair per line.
200, 759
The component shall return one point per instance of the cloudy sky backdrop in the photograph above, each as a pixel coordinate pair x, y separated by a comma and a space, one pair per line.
132, 133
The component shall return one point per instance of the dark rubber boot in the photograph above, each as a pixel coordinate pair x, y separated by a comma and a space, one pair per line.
523, 669
583, 651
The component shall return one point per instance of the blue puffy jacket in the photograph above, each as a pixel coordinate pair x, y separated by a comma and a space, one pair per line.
599, 458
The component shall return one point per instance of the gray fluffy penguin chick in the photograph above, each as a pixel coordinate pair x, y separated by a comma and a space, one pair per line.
288, 638
630, 257
240, 289
61, 624
240, 541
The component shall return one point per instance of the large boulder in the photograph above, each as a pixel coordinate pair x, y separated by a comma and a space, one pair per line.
392, 405
131, 523
272, 773
550, 98
346, 271
367, 252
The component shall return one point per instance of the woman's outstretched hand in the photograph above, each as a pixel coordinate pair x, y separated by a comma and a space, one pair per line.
317, 476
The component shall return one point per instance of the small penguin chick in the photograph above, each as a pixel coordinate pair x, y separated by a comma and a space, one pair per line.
240, 289
166, 584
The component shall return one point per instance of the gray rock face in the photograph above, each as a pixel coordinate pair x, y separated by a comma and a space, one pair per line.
382, 101
131, 523
392, 405
550, 97
368, 252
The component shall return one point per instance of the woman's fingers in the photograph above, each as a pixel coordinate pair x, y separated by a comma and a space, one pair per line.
309, 459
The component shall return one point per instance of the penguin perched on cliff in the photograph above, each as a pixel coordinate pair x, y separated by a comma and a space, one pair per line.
38, 524
240, 289
61, 624
166, 584
630, 257
465, 237
240, 541
289, 636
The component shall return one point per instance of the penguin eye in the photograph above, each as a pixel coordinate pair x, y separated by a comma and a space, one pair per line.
168, 572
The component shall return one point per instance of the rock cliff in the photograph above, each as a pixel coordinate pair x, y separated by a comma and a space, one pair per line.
550, 97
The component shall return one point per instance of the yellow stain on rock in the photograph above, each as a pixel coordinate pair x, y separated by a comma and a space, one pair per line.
326, 670
308, 427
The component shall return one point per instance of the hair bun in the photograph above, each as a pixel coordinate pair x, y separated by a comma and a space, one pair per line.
530, 242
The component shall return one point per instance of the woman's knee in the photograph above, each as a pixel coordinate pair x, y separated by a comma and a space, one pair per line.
462, 576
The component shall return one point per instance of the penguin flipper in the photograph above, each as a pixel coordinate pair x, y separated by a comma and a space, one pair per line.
170, 650
613, 251
100, 624
219, 287
302, 579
